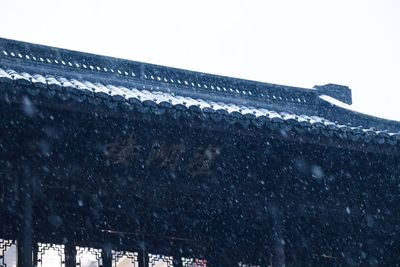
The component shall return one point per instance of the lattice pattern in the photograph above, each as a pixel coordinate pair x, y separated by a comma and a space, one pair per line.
88, 257
156, 260
124, 259
8, 253
247, 265
50, 255
188, 262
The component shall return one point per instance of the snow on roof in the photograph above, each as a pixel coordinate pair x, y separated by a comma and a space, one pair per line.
40, 70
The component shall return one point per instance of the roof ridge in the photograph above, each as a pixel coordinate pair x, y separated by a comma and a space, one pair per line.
66, 71
142, 100
23, 55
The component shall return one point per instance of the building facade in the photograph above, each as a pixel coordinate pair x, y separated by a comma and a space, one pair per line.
110, 162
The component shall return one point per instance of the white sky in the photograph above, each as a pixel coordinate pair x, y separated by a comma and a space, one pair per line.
291, 42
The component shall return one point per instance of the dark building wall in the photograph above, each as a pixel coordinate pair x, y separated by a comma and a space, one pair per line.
208, 191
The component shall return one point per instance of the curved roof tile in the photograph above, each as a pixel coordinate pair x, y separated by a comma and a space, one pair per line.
145, 87
161, 100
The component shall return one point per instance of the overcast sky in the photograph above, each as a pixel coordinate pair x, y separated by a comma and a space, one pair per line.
301, 43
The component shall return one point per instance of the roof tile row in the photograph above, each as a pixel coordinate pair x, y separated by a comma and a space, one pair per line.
158, 102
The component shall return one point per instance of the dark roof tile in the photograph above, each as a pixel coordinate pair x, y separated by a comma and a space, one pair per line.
156, 89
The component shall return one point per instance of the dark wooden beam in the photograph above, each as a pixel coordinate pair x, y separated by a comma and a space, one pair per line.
70, 255
25, 227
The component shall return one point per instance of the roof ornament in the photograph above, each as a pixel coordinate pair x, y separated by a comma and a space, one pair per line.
339, 92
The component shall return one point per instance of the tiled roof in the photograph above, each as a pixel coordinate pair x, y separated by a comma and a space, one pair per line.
162, 89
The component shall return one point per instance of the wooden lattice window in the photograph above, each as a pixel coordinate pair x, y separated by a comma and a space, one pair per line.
8, 253
156, 260
50, 255
88, 257
124, 259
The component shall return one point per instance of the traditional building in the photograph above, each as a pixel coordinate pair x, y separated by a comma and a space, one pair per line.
110, 162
